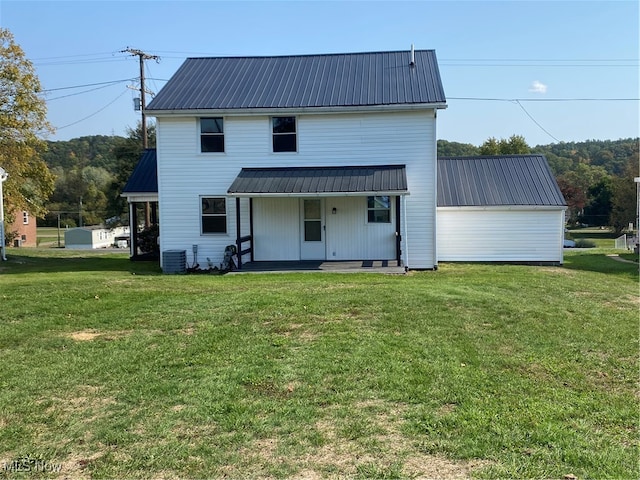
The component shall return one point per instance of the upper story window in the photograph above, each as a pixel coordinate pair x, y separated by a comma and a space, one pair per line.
25, 218
284, 134
379, 209
212, 134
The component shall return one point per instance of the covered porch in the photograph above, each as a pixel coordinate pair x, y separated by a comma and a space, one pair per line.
141, 192
318, 217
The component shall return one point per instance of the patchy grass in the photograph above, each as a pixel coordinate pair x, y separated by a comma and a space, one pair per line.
111, 370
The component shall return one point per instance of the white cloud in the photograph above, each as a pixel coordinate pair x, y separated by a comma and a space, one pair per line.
538, 87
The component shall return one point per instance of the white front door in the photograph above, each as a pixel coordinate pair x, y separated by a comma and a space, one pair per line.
312, 238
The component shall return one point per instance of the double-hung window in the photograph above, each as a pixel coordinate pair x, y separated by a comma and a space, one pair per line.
284, 134
379, 209
212, 134
214, 215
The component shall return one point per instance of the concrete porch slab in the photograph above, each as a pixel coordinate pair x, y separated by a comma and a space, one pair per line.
360, 266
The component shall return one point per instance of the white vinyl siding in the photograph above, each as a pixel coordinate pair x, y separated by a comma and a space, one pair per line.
372, 138
500, 235
276, 229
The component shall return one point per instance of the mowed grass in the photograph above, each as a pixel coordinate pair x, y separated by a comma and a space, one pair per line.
112, 370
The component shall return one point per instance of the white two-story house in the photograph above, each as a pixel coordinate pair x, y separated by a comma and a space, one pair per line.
319, 157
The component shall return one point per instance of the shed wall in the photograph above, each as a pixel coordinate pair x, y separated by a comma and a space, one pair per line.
500, 235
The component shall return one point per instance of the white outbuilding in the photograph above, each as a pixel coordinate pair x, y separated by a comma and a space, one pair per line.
505, 208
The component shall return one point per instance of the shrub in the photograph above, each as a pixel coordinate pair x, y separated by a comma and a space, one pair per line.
584, 243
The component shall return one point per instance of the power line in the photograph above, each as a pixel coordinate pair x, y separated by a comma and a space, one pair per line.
94, 113
534, 121
80, 93
111, 82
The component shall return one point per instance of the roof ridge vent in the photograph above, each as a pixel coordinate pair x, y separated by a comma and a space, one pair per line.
412, 62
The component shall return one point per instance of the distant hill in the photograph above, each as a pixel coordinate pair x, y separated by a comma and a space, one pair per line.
612, 155
91, 151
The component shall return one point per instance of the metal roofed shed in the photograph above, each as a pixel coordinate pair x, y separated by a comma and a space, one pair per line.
497, 180
303, 81
505, 208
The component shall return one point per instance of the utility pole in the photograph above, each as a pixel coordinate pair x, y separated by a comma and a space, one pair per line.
142, 56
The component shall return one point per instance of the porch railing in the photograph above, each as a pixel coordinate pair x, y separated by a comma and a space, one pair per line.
240, 251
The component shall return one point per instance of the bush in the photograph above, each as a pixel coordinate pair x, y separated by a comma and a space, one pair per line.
584, 243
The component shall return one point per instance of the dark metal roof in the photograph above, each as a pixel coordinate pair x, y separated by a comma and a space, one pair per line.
320, 180
333, 80
144, 178
497, 180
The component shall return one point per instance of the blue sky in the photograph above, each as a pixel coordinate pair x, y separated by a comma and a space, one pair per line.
547, 70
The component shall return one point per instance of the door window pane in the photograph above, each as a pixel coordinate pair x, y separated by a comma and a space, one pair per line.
312, 231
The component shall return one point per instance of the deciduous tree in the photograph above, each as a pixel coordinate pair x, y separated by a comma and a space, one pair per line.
516, 144
22, 124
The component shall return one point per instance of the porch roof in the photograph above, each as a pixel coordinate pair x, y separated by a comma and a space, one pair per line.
320, 181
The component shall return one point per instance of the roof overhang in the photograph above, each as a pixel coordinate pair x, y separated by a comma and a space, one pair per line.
502, 208
320, 181
133, 197
297, 110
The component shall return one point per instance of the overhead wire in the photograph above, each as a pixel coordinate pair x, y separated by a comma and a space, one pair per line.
94, 113
535, 121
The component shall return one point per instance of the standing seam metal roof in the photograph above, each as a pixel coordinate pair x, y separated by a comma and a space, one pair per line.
144, 178
309, 180
497, 181
331, 80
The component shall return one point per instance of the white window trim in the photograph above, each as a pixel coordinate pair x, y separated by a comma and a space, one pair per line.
271, 134
199, 136
25, 217
391, 211
226, 216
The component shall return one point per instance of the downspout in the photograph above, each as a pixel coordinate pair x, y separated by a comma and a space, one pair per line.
405, 250
435, 191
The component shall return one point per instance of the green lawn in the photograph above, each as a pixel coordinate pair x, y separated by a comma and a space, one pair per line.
110, 370
48, 237
601, 237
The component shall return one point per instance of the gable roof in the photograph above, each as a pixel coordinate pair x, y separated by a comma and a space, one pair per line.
144, 178
497, 181
361, 180
301, 81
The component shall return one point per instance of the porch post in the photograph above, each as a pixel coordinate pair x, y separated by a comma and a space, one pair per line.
133, 228
238, 243
398, 235
251, 224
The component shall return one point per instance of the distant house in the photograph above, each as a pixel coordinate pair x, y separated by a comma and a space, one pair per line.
93, 237
333, 157
499, 209
23, 231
